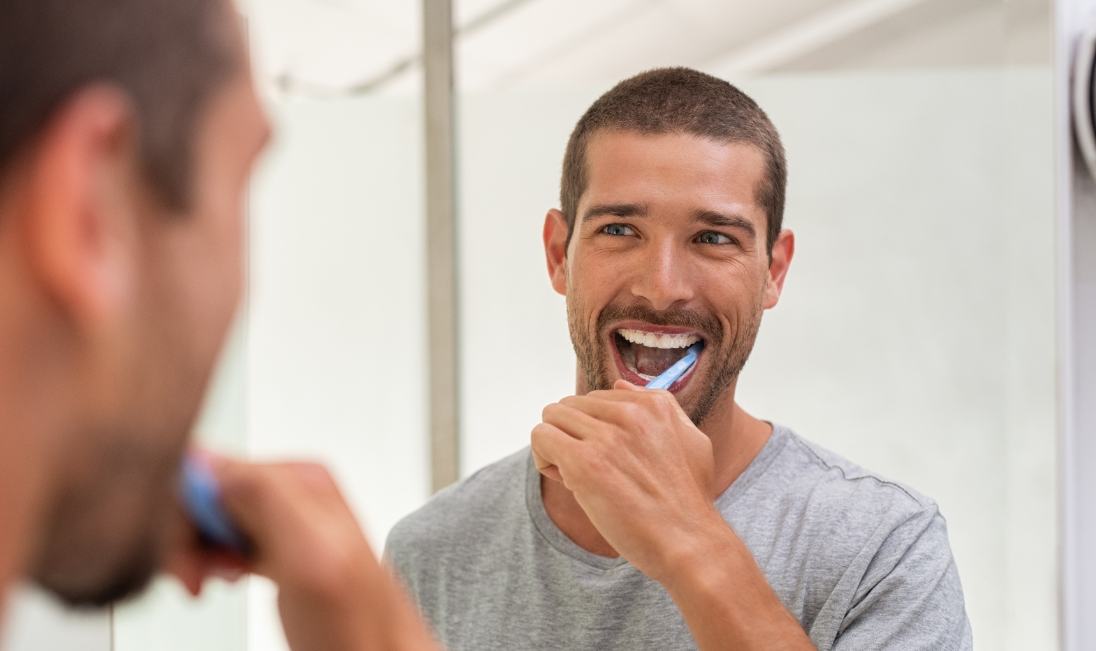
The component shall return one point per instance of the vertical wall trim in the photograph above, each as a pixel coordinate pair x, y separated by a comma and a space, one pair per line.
441, 258
1076, 221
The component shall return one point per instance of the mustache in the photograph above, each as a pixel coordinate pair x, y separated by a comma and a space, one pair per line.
701, 322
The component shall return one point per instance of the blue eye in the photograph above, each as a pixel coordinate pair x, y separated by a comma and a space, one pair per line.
618, 230
711, 237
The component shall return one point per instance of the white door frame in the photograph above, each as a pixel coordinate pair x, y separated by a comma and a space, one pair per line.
1076, 317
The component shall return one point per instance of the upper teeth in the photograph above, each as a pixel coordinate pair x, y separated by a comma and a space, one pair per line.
658, 340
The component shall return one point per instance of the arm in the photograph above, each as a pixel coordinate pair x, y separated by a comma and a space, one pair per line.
724, 596
642, 472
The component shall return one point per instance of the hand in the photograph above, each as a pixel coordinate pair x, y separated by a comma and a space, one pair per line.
637, 466
333, 595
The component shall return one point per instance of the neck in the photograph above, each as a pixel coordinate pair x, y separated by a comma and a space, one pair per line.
737, 438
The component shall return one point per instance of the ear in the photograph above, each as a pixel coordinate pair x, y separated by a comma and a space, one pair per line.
783, 251
79, 228
555, 249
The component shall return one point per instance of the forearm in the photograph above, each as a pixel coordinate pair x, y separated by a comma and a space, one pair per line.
407, 631
725, 599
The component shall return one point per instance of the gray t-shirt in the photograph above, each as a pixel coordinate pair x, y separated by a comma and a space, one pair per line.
862, 563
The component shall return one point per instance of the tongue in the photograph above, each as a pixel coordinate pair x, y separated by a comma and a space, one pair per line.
653, 361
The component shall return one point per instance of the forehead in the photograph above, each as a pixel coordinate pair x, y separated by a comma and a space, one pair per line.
673, 170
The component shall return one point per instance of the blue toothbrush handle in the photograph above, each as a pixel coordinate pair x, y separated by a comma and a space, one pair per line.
201, 497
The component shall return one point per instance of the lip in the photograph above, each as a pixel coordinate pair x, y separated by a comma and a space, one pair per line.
634, 377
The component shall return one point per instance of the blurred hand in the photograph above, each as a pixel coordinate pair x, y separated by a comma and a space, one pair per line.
333, 594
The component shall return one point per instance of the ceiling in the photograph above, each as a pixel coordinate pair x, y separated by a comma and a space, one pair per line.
373, 45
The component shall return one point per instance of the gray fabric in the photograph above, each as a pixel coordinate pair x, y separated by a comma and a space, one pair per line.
863, 563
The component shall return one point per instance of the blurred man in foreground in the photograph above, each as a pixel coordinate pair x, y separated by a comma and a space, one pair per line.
128, 130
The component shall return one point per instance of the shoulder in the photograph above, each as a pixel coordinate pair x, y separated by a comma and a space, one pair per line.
840, 514
834, 484
879, 547
463, 511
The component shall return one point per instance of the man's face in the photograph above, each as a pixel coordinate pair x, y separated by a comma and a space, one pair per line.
668, 249
148, 369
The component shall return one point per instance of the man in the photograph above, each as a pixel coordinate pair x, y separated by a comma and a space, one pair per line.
674, 519
128, 130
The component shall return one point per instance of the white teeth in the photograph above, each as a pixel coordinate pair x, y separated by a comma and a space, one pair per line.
657, 340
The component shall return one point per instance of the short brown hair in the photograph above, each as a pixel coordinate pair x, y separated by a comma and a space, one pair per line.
168, 56
679, 100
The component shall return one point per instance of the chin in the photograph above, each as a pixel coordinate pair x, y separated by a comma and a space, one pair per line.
106, 532
121, 583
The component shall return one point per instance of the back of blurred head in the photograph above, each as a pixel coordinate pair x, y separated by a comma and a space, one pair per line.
127, 132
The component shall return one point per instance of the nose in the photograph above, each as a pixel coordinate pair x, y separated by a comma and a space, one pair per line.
663, 280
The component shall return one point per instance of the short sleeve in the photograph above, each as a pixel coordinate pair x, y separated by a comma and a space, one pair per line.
910, 597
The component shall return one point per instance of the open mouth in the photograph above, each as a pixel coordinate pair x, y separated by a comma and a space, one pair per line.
643, 354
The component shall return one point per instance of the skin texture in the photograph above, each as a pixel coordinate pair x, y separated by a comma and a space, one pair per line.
626, 471
113, 311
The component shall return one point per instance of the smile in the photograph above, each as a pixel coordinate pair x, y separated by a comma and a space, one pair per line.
644, 352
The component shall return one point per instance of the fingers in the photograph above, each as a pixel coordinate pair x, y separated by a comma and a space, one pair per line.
267, 501
624, 407
192, 562
572, 420
552, 447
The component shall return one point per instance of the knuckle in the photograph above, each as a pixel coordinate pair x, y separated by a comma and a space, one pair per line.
316, 476
593, 464
631, 411
613, 436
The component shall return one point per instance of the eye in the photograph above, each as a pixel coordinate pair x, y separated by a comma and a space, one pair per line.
618, 230
711, 237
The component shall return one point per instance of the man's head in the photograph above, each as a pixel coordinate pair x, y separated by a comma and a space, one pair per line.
672, 199
127, 135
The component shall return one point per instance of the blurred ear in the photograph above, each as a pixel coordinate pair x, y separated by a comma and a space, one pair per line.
783, 252
555, 249
80, 226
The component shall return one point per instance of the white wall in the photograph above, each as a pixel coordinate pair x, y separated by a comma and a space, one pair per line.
336, 357
35, 621
916, 332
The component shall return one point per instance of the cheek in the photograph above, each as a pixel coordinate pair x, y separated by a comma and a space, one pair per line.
736, 298
596, 278
231, 275
225, 235
233, 244
217, 281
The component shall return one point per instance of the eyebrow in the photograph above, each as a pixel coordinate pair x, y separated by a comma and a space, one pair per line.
720, 220
615, 210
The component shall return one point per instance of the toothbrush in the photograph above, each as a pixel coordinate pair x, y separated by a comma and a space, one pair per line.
666, 379
201, 496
